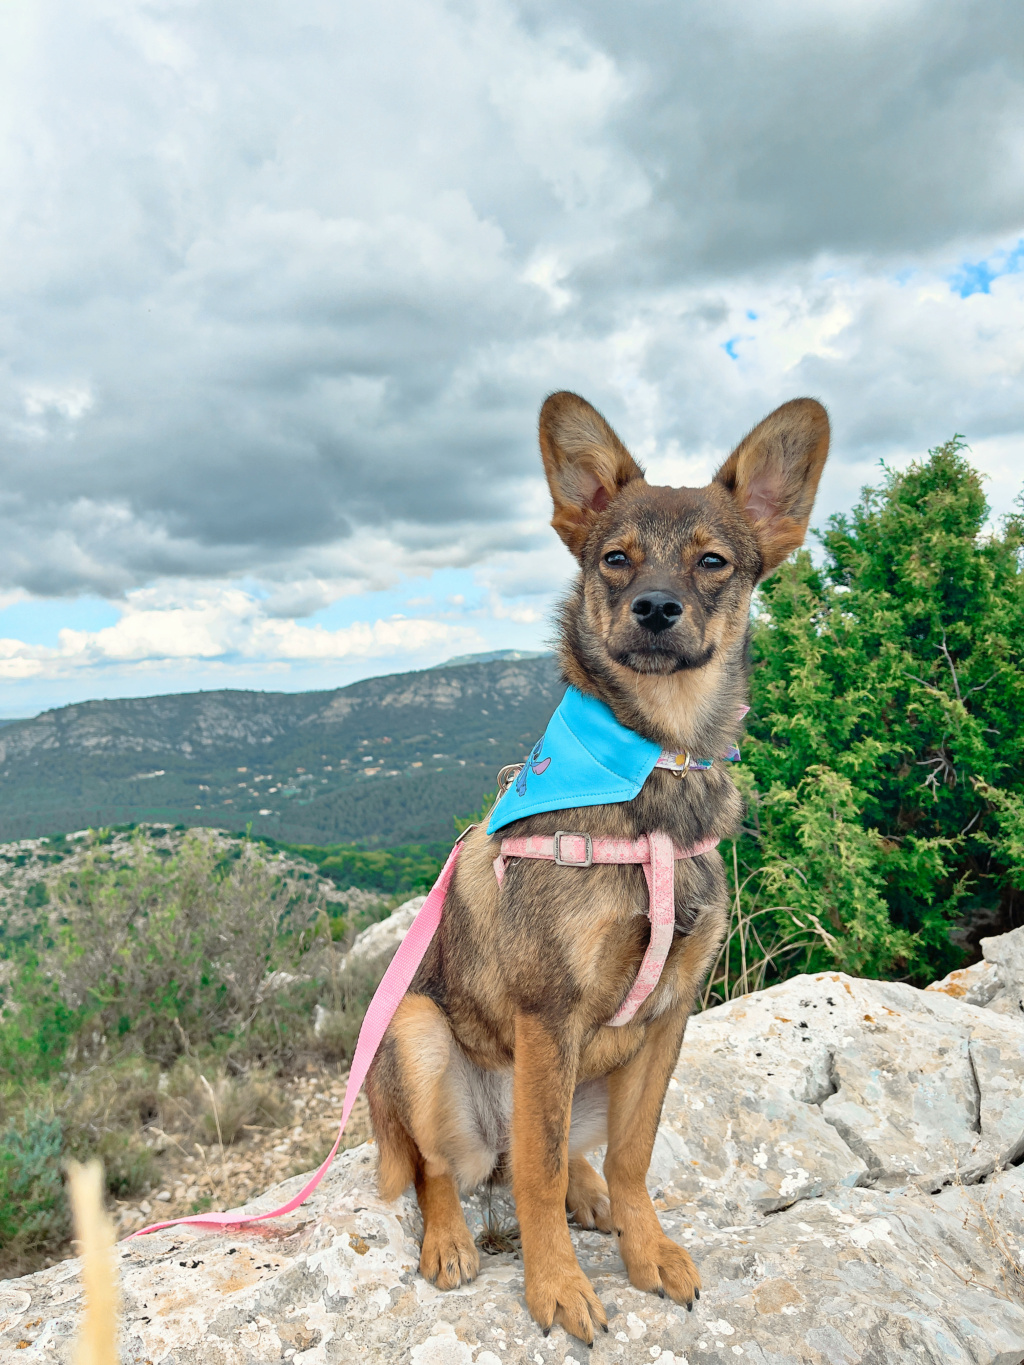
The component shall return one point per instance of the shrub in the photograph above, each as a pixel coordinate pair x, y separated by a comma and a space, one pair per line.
160, 955
33, 1210
884, 763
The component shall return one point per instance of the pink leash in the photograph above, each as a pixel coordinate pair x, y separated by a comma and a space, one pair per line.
655, 852
382, 1008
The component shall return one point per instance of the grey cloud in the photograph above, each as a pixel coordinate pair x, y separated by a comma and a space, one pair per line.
278, 278
772, 133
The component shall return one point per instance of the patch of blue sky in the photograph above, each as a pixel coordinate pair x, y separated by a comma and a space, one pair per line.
444, 592
975, 277
729, 347
751, 315
39, 621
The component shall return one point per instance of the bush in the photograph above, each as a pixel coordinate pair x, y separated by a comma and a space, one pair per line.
154, 955
884, 763
33, 1211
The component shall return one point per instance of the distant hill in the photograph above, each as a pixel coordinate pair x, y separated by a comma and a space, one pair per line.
385, 761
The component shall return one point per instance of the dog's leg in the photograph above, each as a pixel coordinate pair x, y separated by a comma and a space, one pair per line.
635, 1095
587, 1198
544, 1078
448, 1255
419, 1122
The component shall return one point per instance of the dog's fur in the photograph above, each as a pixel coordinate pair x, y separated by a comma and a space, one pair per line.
499, 1059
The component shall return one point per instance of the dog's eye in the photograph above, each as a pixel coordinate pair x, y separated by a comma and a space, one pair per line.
712, 562
617, 559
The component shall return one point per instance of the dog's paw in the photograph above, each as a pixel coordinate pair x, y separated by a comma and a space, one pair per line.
661, 1266
565, 1297
586, 1200
449, 1257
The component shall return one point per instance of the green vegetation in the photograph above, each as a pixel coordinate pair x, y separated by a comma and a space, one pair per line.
403, 871
884, 764
150, 965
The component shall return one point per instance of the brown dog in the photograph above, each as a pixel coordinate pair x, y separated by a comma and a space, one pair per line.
500, 1055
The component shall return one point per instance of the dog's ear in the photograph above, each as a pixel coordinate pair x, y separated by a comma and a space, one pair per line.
586, 465
773, 474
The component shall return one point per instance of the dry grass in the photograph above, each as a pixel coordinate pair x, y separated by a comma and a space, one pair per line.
755, 947
96, 1343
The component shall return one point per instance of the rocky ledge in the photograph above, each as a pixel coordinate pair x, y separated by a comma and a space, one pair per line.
840, 1156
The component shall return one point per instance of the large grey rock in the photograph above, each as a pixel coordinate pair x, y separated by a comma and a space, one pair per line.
917, 1085
803, 1134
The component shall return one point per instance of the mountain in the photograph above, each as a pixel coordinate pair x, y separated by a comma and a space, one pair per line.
384, 761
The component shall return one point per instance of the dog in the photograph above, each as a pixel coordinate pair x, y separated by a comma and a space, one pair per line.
501, 1061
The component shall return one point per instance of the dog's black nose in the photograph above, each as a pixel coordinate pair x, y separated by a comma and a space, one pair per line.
656, 610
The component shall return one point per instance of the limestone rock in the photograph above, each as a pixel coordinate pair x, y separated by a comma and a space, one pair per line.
919, 1086
821, 1115
386, 934
997, 982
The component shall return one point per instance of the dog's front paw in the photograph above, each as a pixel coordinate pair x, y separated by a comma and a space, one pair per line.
659, 1265
565, 1295
587, 1200
449, 1257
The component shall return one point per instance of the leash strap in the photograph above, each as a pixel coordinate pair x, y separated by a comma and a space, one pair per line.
388, 997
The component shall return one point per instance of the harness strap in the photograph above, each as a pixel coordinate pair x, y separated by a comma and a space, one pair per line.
656, 853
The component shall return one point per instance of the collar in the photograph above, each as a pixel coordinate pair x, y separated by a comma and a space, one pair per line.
587, 758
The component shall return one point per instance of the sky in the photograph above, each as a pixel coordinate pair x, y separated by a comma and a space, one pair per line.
282, 288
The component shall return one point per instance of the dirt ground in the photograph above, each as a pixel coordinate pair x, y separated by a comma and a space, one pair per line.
194, 1177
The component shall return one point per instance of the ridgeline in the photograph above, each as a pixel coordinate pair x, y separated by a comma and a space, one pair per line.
383, 762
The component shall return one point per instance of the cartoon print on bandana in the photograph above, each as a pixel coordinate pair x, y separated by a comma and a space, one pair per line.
534, 763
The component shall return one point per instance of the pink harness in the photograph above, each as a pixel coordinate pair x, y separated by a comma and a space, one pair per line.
656, 853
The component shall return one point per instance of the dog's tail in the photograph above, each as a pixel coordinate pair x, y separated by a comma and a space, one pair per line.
97, 1335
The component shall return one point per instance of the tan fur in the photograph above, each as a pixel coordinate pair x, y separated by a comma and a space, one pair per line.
500, 1061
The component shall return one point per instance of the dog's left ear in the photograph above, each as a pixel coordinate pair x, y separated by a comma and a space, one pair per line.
586, 465
773, 474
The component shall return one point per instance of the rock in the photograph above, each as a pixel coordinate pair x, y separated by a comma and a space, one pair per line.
833, 1152
386, 934
997, 982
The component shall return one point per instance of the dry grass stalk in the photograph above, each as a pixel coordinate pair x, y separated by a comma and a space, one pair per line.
96, 1343
500, 1233
744, 941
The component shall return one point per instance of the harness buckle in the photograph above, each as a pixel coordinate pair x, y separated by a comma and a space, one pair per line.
588, 845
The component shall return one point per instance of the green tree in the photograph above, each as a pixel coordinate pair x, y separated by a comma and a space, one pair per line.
885, 749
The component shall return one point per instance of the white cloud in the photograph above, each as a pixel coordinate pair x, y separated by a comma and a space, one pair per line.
225, 625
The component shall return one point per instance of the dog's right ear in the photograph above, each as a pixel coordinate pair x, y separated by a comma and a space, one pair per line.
586, 465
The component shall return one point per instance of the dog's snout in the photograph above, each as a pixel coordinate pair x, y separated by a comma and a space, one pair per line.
656, 610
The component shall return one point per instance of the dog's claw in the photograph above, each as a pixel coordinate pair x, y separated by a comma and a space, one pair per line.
547, 1331
696, 1293
661, 1292
689, 1306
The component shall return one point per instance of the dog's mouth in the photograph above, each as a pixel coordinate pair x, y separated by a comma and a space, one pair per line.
662, 660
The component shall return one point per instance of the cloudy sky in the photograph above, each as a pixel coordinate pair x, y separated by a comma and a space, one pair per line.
282, 288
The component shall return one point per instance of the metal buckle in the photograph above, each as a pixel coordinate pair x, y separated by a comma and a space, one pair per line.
588, 844
507, 775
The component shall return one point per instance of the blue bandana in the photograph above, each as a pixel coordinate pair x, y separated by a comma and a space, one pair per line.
585, 758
